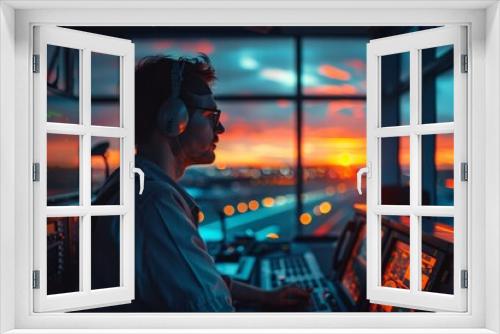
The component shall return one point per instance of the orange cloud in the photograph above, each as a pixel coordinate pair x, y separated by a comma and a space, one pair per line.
333, 72
113, 158
444, 155
404, 151
62, 151
344, 89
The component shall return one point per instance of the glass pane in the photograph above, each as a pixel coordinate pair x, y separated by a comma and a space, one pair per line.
251, 186
395, 84
437, 84
105, 161
437, 254
63, 86
397, 220
334, 66
395, 170
105, 252
333, 149
245, 66
354, 274
63, 255
437, 169
105, 89
396, 252
63, 169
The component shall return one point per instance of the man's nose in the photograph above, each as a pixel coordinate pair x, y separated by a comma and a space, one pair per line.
220, 128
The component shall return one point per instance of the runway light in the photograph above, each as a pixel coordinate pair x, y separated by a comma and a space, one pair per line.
201, 217
268, 202
272, 236
229, 210
325, 207
242, 207
305, 219
330, 190
316, 211
253, 205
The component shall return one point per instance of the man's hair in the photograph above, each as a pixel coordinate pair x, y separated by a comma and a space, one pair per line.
153, 87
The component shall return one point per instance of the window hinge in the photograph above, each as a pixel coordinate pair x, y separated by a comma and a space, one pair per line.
36, 63
36, 172
465, 64
36, 279
464, 279
464, 167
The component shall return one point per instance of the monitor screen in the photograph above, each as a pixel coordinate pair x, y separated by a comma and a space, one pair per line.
397, 270
350, 279
351, 282
428, 264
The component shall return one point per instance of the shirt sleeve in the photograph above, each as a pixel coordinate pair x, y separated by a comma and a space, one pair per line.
178, 273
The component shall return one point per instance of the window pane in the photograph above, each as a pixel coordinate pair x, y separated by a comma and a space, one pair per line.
63, 86
105, 161
437, 84
395, 170
395, 87
245, 66
63, 164
251, 186
396, 255
334, 66
333, 149
437, 254
63, 255
105, 252
437, 169
105, 89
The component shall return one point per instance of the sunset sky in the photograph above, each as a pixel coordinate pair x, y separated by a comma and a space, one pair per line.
263, 133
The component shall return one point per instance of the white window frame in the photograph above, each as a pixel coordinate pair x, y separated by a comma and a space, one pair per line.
86, 44
16, 21
413, 43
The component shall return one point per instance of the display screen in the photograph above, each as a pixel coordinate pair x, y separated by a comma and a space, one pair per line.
350, 280
397, 269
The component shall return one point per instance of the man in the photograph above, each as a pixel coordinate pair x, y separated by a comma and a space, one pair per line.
177, 126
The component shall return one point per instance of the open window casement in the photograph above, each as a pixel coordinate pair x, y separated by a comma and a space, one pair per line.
72, 122
416, 146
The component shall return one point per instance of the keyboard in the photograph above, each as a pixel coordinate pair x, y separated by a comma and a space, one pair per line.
301, 270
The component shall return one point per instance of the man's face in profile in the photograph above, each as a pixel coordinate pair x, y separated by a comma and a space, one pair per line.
201, 135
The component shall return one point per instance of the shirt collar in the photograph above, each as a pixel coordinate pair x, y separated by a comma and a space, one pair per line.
154, 172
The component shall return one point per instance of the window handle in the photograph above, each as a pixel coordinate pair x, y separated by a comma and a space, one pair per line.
134, 170
365, 170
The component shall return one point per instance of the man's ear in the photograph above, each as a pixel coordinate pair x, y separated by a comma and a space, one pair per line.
175, 145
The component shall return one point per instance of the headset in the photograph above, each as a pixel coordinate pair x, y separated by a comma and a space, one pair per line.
173, 115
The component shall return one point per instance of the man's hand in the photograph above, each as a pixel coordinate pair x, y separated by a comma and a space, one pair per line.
286, 298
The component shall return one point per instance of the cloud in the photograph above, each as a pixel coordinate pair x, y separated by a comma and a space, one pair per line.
333, 72
343, 89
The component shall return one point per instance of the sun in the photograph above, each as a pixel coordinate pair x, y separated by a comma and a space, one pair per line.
345, 159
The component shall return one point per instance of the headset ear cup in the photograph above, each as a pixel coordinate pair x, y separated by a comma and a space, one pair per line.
173, 115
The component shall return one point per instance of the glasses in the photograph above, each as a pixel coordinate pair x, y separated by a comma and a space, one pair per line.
214, 114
